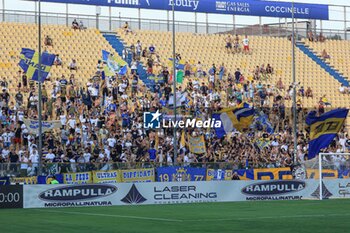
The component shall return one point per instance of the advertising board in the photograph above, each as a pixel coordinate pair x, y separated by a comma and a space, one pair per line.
233, 7
48, 196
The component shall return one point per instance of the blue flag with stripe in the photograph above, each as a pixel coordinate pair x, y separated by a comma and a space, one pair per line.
324, 128
239, 118
29, 62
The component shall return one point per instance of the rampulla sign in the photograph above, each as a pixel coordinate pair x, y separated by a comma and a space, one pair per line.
152, 120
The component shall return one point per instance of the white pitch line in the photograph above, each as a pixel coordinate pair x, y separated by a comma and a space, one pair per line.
111, 215
270, 217
195, 220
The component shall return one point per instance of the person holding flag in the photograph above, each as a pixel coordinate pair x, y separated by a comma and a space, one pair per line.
324, 128
29, 62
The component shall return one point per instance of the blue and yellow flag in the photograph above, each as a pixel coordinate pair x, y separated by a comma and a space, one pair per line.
324, 128
196, 144
115, 64
30, 64
239, 118
178, 64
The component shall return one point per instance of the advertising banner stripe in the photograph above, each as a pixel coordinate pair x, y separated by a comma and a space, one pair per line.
231, 7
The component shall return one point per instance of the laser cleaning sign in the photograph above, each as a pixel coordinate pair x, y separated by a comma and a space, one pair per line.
232, 7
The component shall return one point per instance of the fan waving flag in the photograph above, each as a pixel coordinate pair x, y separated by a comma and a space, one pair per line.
324, 128
179, 76
178, 64
240, 118
114, 64
30, 64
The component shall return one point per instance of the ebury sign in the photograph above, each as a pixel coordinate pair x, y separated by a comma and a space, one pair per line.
231, 7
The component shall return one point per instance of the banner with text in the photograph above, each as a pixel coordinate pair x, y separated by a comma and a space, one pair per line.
24, 180
33, 125
48, 196
77, 178
138, 175
231, 7
273, 174
104, 177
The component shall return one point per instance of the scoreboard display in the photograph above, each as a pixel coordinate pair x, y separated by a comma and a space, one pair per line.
11, 196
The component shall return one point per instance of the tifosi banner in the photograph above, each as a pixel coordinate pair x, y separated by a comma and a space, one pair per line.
265, 174
102, 177
196, 144
77, 178
45, 196
138, 175
232, 7
219, 174
24, 180
165, 174
273, 174
33, 125
326, 174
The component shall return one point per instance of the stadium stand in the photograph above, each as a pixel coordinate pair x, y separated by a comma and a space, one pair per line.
210, 49
82, 45
337, 51
102, 119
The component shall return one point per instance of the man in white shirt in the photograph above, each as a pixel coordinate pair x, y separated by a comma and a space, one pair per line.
63, 119
72, 122
195, 84
87, 156
245, 45
121, 88
7, 137
93, 92
138, 49
34, 159
5, 153
50, 156
111, 142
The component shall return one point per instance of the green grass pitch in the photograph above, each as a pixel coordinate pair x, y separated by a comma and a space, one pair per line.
329, 216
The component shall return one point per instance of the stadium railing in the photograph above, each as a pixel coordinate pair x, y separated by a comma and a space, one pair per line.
30, 169
106, 23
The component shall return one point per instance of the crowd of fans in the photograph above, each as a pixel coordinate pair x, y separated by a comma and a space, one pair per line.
102, 122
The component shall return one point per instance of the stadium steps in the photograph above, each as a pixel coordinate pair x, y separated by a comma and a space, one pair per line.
324, 65
118, 45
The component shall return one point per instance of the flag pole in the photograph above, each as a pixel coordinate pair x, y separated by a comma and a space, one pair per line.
295, 127
40, 95
174, 82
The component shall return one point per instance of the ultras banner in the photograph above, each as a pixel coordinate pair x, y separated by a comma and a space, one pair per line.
46, 196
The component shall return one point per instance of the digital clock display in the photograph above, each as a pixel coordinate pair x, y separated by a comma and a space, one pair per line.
11, 196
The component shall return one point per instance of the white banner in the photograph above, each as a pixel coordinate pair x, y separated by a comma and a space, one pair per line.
33, 125
336, 188
45, 196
